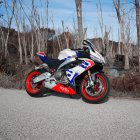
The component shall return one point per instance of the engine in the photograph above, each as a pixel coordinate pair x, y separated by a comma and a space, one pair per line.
60, 76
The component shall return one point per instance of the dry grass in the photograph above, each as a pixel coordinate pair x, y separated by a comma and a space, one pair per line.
114, 93
8, 81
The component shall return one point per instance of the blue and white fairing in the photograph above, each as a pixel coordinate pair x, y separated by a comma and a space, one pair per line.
67, 54
78, 70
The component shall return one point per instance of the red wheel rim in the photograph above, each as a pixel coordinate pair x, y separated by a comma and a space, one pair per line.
31, 87
91, 98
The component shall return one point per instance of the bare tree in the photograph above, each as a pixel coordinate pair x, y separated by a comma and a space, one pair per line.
121, 19
75, 34
119, 43
66, 39
137, 5
46, 3
107, 49
101, 23
57, 32
9, 22
79, 19
24, 40
17, 16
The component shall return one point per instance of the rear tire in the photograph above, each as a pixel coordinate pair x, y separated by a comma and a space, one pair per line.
101, 93
37, 89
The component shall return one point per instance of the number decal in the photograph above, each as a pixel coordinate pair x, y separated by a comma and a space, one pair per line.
74, 72
85, 64
71, 75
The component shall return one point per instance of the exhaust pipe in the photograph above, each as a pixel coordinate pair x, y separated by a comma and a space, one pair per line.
42, 77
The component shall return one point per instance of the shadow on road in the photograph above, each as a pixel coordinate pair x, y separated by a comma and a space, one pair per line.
77, 96
51, 93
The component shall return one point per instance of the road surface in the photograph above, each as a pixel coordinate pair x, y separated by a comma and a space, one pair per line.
60, 118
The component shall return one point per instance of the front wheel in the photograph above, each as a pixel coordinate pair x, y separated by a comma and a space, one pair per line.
99, 91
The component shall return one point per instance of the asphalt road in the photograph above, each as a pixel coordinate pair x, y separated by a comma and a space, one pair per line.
59, 118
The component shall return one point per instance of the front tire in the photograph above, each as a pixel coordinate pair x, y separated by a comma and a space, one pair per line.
98, 92
34, 89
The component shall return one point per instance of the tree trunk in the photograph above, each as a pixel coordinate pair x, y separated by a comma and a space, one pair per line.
66, 39
9, 19
20, 47
119, 47
32, 47
121, 20
138, 26
80, 25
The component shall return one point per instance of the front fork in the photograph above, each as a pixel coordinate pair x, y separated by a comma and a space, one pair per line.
90, 83
92, 78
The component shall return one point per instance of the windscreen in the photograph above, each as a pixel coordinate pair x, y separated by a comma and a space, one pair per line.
87, 43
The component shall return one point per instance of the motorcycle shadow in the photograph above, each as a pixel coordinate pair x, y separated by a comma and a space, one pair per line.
52, 93
77, 96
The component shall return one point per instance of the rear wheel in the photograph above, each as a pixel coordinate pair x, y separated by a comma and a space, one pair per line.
98, 92
34, 89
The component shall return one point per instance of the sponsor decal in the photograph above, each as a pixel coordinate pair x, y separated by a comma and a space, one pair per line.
64, 89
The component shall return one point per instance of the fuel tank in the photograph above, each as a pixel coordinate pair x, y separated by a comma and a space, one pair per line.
66, 54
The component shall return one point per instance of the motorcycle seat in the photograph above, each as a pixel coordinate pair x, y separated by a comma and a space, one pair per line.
53, 63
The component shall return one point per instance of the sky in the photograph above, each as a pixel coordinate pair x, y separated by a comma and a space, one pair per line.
66, 10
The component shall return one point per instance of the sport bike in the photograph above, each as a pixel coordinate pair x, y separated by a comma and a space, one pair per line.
76, 71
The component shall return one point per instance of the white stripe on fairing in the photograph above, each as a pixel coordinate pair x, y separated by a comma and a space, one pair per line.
83, 59
66, 62
78, 69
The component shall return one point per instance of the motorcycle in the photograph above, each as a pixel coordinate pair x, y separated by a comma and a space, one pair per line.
76, 71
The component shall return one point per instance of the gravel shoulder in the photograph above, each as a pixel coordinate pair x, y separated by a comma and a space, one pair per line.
61, 118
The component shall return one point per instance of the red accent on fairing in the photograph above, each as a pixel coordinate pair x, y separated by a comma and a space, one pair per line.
63, 89
100, 95
33, 88
92, 64
41, 53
